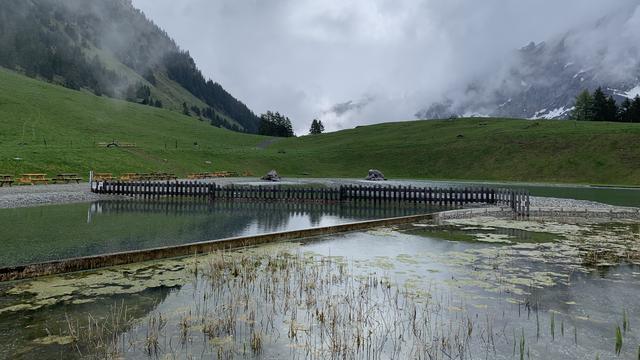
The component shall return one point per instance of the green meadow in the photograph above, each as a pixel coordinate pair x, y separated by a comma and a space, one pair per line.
51, 129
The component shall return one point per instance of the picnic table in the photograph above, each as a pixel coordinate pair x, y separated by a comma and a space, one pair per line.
31, 179
209, 175
67, 178
148, 176
197, 176
102, 177
6, 179
130, 176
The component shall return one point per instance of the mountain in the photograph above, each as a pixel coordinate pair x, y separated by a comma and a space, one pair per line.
541, 80
111, 49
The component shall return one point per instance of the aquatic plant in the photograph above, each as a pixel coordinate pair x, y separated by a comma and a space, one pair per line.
522, 345
99, 338
256, 342
618, 340
625, 321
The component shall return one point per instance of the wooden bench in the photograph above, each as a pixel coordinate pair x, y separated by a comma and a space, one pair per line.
66, 178
102, 177
6, 179
32, 179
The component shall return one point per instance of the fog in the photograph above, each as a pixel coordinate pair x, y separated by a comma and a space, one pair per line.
366, 61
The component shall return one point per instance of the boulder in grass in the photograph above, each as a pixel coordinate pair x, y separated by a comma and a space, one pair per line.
271, 176
375, 175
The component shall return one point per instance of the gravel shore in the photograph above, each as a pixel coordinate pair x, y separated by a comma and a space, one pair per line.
26, 196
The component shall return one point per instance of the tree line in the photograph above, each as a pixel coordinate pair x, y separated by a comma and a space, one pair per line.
275, 124
182, 69
601, 107
209, 113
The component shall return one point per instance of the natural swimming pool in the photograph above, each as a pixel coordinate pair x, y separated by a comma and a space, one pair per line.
478, 288
46, 233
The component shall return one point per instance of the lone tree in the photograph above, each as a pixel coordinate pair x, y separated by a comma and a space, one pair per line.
316, 127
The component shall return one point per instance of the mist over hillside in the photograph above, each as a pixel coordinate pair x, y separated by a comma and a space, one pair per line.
541, 80
112, 49
369, 61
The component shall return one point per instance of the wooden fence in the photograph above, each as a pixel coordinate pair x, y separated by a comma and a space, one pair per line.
517, 200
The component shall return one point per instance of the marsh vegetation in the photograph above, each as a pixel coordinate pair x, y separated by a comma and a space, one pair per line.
406, 292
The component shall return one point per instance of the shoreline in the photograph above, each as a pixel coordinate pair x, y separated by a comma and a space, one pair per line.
59, 194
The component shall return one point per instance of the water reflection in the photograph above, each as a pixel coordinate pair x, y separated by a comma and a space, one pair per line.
64, 231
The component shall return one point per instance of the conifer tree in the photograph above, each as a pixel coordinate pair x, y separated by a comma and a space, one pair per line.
583, 110
599, 105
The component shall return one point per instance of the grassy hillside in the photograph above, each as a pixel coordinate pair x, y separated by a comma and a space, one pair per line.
477, 149
111, 48
53, 129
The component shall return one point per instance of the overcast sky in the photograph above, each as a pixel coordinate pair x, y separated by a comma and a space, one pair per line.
389, 58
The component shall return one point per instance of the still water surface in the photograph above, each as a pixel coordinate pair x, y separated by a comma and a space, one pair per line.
45, 233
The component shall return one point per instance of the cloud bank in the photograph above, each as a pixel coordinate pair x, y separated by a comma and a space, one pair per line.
372, 60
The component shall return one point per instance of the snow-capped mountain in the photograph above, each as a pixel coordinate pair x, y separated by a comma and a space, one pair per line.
543, 79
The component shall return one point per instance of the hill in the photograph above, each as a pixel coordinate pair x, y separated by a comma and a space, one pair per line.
48, 128
111, 49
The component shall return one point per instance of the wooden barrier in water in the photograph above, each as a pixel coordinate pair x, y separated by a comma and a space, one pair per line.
20, 272
518, 200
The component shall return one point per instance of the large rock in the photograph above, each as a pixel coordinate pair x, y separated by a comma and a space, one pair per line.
375, 175
271, 176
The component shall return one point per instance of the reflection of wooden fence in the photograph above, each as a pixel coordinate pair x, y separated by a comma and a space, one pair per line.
516, 199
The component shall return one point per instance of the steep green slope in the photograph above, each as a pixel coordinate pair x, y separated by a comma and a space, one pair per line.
110, 48
48, 128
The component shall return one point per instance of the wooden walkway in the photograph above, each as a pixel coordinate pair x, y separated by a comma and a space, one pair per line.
517, 200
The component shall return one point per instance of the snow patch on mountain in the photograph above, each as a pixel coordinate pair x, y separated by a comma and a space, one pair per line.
631, 94
559, 113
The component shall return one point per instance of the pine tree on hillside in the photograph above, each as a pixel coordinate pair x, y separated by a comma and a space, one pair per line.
624, 114
316, 127
274, 124
583, 110
634, 110
599, 105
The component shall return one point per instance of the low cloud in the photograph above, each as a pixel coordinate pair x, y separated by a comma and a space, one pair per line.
367, 61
